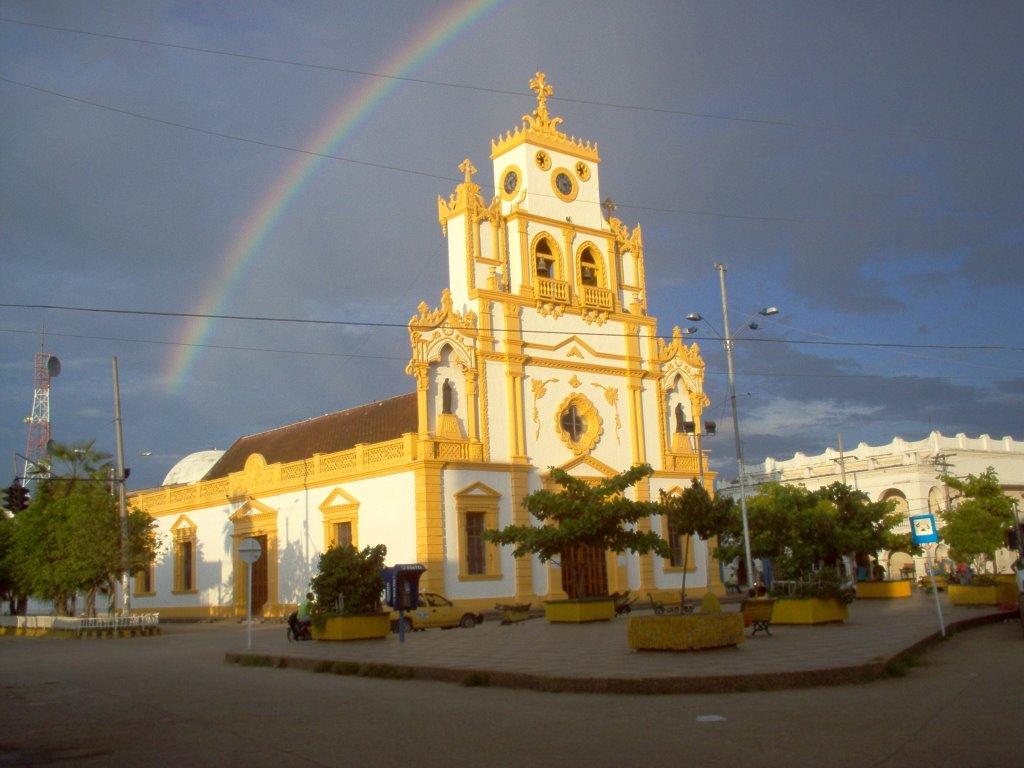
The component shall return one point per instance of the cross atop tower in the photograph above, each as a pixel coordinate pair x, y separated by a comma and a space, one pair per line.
468, 170
543, 88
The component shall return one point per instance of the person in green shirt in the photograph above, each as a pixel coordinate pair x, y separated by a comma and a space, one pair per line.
305, 612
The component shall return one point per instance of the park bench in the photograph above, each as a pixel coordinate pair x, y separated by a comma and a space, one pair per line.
660, 609
513, 613
757, 613
622, 602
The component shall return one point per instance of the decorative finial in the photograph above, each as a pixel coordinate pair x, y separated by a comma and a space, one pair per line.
467, 168
609, 206
543, 88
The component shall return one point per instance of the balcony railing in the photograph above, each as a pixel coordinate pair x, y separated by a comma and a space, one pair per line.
598, 298
549, 289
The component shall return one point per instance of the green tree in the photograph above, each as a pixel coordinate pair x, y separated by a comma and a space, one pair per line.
10, 589
69, 539
354, 576
583, 515
975, 528
694, 512
801, 529
863, 527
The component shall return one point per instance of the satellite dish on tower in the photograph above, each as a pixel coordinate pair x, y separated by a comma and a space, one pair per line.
53, 366
49, 446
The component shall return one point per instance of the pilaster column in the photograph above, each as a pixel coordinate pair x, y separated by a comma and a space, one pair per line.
471, 405
422, 409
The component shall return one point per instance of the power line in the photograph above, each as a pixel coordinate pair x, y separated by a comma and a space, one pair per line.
395, 168
775, 123
404, 358
382, 324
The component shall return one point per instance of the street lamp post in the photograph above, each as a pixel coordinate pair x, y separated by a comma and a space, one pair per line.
728, 343
736, 426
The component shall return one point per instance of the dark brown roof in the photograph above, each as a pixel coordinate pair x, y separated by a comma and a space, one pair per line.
332, 432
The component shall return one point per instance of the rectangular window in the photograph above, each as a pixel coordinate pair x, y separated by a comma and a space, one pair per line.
476, 557
675, 541
185, 565
343, 534
144, 581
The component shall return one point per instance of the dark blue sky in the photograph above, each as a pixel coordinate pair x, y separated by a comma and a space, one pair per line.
872, 190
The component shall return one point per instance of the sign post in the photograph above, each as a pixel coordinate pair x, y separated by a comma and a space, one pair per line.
249, 551
924, 531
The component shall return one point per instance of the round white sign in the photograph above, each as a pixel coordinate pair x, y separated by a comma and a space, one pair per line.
249, 550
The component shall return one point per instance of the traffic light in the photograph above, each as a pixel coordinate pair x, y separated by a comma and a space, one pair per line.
16, 497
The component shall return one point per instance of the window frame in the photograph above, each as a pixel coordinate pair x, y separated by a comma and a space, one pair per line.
478, 499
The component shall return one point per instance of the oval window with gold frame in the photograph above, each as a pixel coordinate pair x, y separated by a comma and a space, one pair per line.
578, 423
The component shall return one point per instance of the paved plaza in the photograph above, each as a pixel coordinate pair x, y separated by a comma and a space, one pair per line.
875, 632
171, 700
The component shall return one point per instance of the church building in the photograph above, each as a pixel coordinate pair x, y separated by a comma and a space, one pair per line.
539, 354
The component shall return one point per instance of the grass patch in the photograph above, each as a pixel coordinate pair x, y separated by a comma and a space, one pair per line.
386, 671
477, 680
255, 661
345, 668
323, 666
901, 665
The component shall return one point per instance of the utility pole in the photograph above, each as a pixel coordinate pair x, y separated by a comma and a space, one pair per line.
122, 507
736, 426
842, 460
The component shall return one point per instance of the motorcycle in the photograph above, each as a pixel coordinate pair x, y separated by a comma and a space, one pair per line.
298, 630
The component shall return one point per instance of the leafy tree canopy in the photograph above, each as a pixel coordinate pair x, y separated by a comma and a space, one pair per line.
352, 575
799, 529
694, 512
69, 538
976, 526
595, 515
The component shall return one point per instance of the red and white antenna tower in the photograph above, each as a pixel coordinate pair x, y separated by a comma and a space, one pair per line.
36, 454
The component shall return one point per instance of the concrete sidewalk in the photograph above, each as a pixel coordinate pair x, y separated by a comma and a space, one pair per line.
596, 657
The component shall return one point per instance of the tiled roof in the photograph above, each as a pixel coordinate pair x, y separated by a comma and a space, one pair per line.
371, 423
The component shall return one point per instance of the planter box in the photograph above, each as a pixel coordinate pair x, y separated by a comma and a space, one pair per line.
1007, 589
354, 628
883, 589
809, 610
580, 611
685, 633
962, 594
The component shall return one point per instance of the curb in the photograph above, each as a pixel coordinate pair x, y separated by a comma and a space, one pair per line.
73, 634
766, 681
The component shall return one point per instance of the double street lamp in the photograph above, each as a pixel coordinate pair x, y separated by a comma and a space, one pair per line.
727, 336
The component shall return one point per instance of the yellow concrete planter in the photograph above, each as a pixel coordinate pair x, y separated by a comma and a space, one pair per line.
965, 594
354, 627
580, 611
1006, 584
685, 633
809, 610
883, 589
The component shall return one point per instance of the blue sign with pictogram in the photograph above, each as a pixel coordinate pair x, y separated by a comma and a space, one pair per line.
923, 529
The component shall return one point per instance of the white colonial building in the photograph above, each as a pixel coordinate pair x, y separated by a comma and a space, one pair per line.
906, 472
540, 354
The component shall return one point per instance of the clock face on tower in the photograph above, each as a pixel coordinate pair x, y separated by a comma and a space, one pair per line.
511, 182
564, 184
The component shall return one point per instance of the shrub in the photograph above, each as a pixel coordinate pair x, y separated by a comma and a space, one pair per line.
349, 582
983, 580
824, 584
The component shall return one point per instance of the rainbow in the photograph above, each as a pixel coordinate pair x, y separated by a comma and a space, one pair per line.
254, 229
